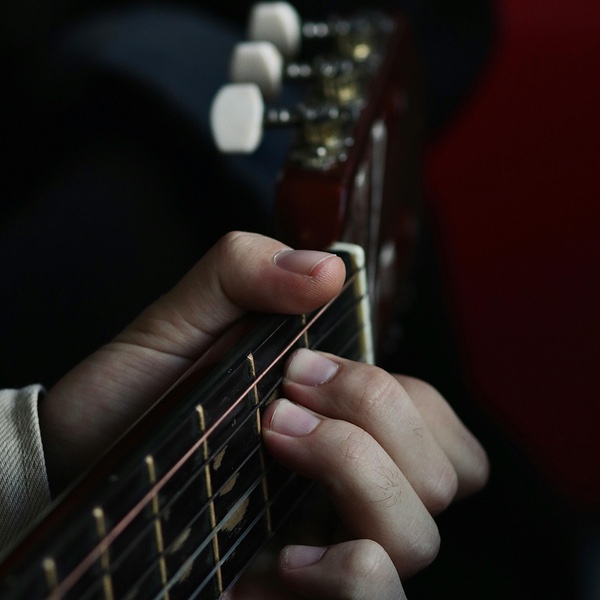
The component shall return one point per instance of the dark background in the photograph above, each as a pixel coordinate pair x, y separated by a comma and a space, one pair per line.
110, 193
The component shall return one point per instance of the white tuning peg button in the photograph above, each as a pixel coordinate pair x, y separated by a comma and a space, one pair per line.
260, 63
236, 118
278, 23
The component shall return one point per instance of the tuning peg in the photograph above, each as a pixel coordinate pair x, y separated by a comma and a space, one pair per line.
278, 23
260, 63
238, 118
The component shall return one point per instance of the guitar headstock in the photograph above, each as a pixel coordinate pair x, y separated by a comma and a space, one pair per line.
352, 173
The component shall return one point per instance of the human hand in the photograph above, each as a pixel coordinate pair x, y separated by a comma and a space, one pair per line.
391, 536
101, 397
390, 453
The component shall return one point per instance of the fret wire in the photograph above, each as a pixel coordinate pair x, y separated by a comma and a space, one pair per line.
261, 453
305, 336
209, 505
160, 545
50, 573
211, 502
107, 586
241, 537
252, 366
98, 514
216, 528
76, 573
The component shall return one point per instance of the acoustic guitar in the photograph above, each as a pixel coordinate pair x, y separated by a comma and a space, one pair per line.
181, 504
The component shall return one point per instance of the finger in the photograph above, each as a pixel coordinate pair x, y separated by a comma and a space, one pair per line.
459, 444
357, 570
376, 402
371, 495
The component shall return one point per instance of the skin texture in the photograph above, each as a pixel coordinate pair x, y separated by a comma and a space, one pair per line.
388, 450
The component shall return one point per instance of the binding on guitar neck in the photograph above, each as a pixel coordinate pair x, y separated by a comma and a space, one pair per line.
183, 502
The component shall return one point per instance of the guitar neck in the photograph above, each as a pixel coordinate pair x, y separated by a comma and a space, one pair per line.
185, 500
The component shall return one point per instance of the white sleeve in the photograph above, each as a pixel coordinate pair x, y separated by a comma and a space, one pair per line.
24, 490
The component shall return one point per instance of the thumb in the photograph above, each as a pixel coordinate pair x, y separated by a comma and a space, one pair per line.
95, 402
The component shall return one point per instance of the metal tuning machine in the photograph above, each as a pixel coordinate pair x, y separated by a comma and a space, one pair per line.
239, 117
357, 38
332, 79
337, 83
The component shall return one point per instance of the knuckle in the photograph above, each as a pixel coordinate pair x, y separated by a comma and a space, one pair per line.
424, 549
354, 446
232, 243
366, 561
440, 488
481, 473
374, 390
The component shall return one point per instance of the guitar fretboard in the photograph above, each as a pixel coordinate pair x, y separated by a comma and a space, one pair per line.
183, 503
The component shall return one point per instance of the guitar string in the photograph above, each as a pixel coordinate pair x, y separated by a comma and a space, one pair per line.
323, 336
249, 417
115, 564
87, 562
341, 350
214, 531
265, 508
299, 335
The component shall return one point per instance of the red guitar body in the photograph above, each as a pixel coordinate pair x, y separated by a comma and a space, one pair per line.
514, 192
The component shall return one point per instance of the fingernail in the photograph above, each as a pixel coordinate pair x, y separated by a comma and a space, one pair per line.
296, 557
302, 262
291, 419
310, 368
